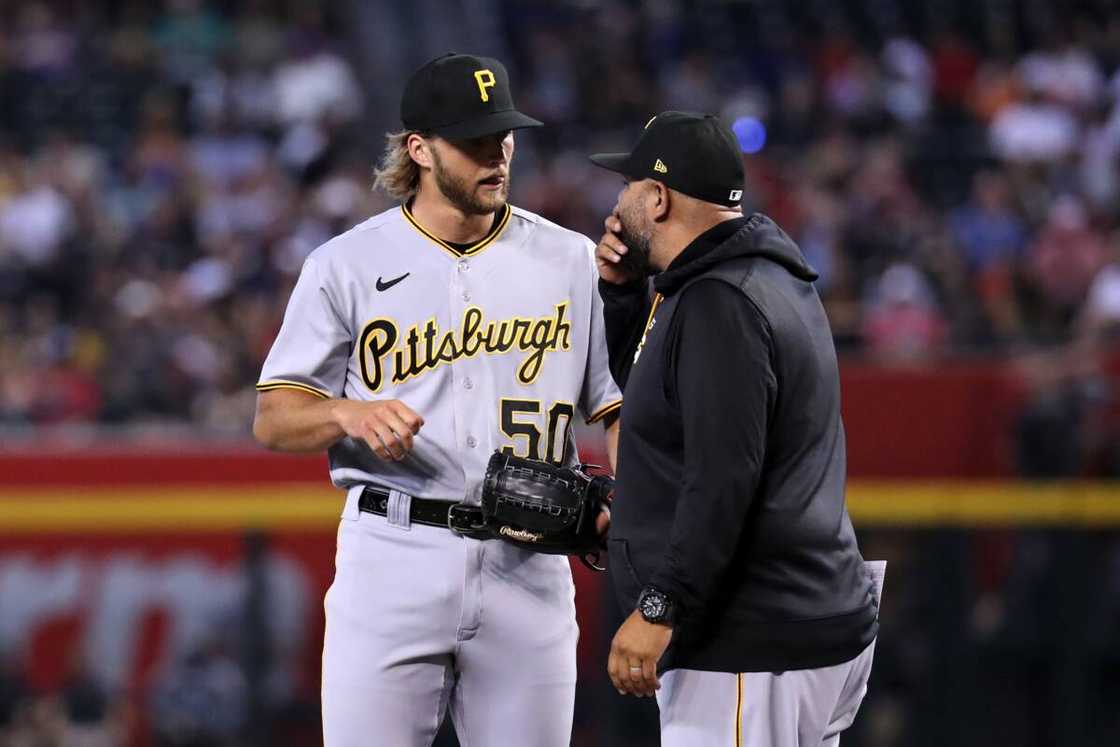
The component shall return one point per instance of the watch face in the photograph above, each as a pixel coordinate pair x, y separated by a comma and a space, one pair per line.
653, 606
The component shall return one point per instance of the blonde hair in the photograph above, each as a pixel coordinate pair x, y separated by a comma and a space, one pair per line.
397, 174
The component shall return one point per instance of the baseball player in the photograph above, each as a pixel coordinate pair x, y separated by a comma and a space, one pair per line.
415, 345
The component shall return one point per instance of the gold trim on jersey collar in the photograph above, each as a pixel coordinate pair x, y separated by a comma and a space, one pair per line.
471, 250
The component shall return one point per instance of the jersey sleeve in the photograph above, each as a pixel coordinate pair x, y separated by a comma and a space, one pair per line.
600, 396
311, 350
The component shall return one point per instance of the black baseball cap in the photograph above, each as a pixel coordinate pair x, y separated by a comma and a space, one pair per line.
461, 96
695, 154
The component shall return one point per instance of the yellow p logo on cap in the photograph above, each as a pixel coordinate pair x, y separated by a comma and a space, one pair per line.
485, 79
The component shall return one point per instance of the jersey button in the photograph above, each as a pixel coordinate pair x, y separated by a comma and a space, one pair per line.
466, 295
472, 442
467, 383
464, 265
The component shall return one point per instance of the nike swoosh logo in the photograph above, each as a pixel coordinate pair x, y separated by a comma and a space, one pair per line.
383, 286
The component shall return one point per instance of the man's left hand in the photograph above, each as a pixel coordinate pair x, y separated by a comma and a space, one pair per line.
635, 651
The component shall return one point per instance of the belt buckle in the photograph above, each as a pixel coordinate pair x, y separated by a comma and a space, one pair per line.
466, 525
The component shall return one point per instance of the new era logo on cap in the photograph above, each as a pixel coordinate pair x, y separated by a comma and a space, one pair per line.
660, 167
736, 195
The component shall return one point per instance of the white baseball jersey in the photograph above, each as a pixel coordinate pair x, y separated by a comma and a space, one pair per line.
495, 346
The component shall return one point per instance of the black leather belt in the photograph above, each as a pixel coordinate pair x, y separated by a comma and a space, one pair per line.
458, 517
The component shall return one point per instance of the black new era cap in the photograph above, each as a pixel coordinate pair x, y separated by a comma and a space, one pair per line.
461, 96
692, 153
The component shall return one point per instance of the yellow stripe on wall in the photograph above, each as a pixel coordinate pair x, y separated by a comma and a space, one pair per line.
312, 507
171, 510
983, 504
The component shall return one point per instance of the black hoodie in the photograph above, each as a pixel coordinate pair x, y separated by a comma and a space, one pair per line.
731, 466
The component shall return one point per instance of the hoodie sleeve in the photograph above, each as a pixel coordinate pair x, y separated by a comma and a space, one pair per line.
722, 378
625, 308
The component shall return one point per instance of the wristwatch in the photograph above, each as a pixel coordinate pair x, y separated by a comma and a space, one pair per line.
656, 606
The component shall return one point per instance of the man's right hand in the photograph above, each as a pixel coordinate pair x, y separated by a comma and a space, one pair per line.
609, 253
387, 425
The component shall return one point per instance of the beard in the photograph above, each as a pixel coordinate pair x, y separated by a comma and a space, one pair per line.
636, 261
463, 195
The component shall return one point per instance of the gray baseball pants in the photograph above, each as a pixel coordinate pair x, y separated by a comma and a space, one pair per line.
798, 708
419, 620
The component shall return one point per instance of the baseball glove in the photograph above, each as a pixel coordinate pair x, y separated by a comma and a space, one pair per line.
544, 508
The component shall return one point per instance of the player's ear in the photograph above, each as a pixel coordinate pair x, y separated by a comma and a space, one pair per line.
659, 201
419, 149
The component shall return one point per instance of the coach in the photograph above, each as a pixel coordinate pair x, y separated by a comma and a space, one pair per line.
730, 539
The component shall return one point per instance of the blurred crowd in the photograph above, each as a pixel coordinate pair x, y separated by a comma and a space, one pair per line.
163, 173
956, 192
165, 169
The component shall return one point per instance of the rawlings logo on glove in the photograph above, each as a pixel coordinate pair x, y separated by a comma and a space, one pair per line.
544, 508
520, 534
